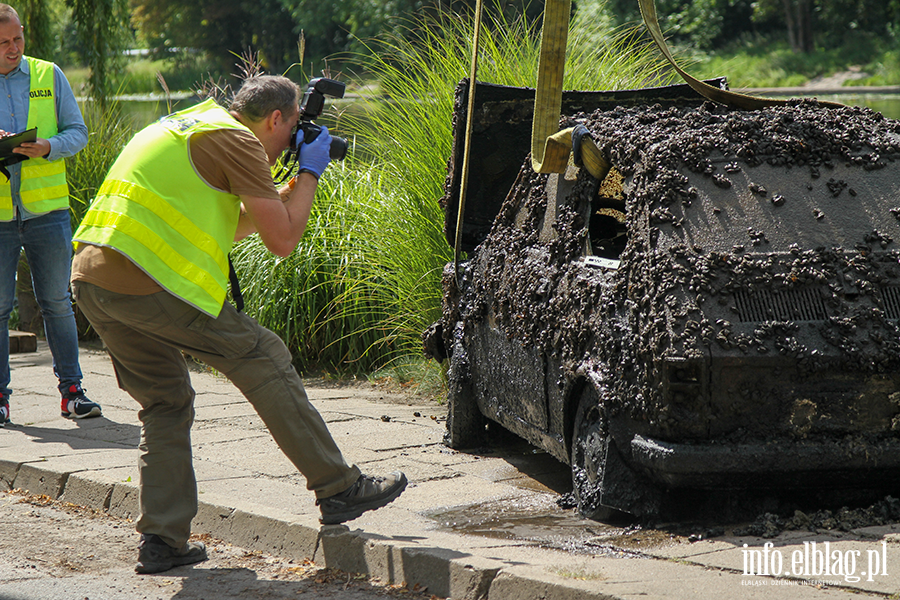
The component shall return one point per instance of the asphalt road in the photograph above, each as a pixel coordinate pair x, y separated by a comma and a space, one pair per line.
50, 550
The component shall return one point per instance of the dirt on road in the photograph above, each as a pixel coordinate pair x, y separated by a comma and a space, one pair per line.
51, 549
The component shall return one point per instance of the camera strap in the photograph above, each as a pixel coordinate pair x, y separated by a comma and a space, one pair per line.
236, 295
289, 161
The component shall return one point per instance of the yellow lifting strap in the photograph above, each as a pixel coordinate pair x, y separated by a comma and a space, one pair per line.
549, 147
470, 114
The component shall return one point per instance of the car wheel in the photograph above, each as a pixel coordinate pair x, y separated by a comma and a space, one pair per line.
589, 457
465, 423
606, 488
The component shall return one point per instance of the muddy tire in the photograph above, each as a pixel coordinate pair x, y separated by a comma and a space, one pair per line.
588, 457
606, 488
465, 423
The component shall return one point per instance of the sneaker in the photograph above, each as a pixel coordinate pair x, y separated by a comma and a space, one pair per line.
368, 493
4, 410
155, 556
75, 405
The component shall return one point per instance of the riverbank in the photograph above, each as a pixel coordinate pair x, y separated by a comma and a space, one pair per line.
834, 84
883, 98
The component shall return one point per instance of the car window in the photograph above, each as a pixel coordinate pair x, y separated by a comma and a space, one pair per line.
607, 233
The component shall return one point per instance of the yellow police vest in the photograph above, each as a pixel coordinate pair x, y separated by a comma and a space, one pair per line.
43, 184
155, 209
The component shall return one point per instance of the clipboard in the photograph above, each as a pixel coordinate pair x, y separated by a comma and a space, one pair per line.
7, 156
12, 141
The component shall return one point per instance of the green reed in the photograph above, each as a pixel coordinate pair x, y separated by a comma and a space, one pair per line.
108, 132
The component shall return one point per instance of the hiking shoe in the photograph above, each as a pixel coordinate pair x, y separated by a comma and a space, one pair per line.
4, 410
75, 405
368, 493
155, 556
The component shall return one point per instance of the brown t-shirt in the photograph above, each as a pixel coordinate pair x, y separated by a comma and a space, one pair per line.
229, 160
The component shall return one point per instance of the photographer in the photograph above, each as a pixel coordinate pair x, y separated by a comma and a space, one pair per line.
151, 273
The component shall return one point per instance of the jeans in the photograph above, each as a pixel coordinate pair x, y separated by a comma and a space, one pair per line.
47, 241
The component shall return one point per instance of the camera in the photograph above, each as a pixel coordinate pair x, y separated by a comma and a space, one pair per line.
311, 107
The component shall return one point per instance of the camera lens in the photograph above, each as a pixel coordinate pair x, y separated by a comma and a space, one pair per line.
338, 149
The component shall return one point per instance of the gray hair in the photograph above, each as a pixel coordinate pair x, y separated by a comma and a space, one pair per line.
8, 13
261, 95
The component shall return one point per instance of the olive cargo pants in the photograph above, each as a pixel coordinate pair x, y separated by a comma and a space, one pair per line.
145, 337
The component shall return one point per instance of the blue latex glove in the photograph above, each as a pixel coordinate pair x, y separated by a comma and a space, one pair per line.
314, 156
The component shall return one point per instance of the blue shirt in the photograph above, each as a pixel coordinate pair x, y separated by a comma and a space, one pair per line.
73, 133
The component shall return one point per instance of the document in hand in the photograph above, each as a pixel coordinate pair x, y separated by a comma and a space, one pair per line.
12, 141
7, 156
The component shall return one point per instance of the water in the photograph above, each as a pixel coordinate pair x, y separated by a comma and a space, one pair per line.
145, 110
886, 104
535, 520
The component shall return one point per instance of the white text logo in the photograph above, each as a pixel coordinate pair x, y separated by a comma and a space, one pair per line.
816, 560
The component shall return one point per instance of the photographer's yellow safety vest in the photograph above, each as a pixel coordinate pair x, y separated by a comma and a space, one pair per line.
155, 209
43, 184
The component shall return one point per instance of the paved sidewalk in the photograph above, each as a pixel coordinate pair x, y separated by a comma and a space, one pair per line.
252, 496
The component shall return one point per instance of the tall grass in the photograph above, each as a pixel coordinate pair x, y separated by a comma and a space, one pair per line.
885, 70
304, 297
108, 132
365, 281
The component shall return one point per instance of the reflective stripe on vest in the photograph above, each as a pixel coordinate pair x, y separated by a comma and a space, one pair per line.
43, 184
156, 210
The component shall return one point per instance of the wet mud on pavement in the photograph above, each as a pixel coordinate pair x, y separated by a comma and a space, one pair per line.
543, 523
546, 520
550, 520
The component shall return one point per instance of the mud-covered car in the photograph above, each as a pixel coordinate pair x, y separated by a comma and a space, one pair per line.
720, 312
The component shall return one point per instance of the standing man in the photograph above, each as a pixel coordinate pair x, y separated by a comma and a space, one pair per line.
151, 272
34, 207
